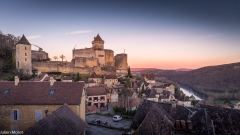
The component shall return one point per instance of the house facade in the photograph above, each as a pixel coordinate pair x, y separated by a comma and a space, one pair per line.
25, 103
96, 96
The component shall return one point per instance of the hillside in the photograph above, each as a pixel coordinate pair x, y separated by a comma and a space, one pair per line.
211, 80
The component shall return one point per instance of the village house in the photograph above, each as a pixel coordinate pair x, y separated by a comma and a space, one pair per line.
112, 94
171, 88
96, 78
166, 96
192, 98
91, 83
149, 77
151, 95
182, 100
59, 122
23, 103
96, 96
111, 80
91, 109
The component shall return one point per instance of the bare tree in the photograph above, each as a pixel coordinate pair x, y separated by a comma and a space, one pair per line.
55, 58
62, 57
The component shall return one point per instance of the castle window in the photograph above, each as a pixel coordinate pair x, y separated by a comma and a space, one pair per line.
15, 115
25, 59
25, 54
25, 48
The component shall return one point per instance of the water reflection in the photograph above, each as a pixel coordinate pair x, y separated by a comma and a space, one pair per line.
189, 93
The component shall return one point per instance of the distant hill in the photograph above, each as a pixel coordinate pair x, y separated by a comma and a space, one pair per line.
218, 80
141, 69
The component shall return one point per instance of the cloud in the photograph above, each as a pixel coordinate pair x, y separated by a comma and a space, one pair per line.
78, 32
33, 37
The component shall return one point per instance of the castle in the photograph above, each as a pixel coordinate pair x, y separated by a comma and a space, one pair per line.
84, 61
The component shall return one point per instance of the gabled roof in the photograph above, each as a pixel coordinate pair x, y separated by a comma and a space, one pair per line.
83, 80
94, 75
94, 91
150, 93
23, 40
97, 38
92, 81
63, 121
39, 77
155, 123
37, 93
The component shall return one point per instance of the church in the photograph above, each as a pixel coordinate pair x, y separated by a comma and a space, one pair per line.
84, 61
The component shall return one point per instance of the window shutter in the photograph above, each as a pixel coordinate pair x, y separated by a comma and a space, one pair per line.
12, 114
18, 115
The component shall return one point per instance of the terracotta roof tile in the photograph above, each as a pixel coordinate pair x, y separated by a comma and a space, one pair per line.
91, 108
39, 77
92, 81
63, 121
39, 93
93, 91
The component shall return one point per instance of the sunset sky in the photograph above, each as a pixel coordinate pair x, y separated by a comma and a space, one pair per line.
155, 34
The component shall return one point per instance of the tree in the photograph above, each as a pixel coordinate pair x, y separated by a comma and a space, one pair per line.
55, 58
142, 89
78, 77
62, 57
129, 72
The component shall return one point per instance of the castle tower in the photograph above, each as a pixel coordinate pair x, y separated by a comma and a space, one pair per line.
23, 56
121, 64
98, 43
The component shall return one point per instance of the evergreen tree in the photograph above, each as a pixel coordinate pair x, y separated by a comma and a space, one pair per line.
78, 77
129, 72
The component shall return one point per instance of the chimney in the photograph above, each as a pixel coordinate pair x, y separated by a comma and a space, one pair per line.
16, 80
51, 81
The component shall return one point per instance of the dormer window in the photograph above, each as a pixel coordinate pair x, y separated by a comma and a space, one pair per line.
6, 91
52, 91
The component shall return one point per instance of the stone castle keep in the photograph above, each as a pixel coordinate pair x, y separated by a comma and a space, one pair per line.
84, 61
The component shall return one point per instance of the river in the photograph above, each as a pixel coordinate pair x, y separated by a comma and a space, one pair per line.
189, 93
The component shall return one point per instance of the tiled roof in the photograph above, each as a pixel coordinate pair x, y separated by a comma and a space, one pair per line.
92, 81
111, 76
149, 76
131, 102
91, 108
63, 121
150, 93
94, 75
182, 98
32, 93
97, 38
23, 40
155, 123
94, 91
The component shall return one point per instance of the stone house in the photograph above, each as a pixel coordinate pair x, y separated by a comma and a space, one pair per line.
111, 80
96, 96
237, 105
23, 103
59, 122
166, 96
171, 88
151, 95
112, 94
91, 83
182, 100
192, 98
96, 78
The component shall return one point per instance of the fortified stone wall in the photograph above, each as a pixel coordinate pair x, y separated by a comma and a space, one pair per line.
97, 70
98, 44
100, 54
121, 61
91, 62
39, 55
87, 53
109, 57
80, 62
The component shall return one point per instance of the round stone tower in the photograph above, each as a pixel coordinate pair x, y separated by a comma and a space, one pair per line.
121, 64
98, 43
23, 56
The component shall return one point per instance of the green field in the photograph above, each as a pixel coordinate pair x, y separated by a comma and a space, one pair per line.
222, 101
6, 76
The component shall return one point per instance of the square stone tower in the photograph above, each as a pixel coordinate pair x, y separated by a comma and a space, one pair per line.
23, 56
98, 43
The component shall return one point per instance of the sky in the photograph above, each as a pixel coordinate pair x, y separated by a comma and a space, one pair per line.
155, 34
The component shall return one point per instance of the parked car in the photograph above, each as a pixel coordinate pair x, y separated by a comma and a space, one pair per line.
117, 118
99, 122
